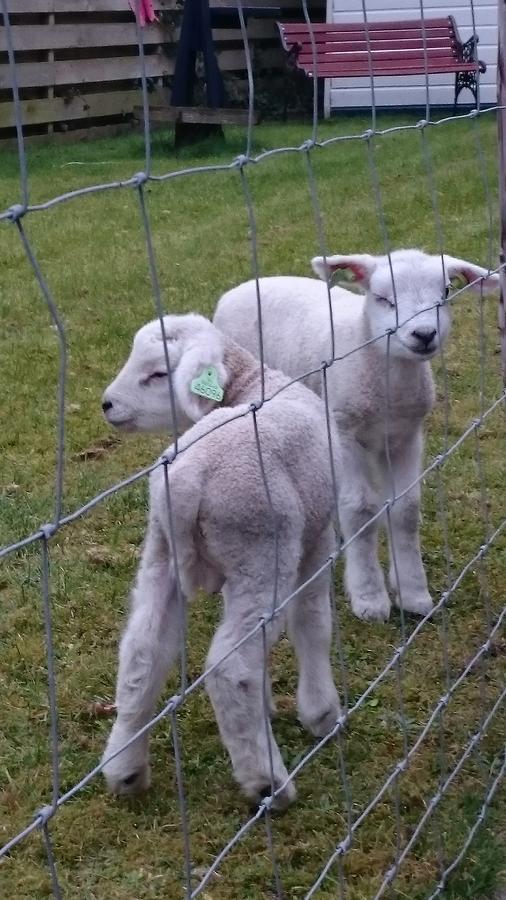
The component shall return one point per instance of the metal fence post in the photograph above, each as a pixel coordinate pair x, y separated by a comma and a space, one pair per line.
501, 124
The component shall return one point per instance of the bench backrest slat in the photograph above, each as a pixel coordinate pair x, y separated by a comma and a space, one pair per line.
344, 42
433, 34
391, 27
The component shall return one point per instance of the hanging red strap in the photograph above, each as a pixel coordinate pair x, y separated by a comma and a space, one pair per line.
146, 12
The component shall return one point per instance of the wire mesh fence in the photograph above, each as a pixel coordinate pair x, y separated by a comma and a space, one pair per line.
419, 738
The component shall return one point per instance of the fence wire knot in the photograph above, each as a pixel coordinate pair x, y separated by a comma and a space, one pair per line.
266, 803
16, 212
173, 704
139, 179
168, 457
242, 160
44, 814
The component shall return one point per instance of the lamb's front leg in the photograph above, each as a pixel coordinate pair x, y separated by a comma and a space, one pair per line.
407, 574
310, 630
148, 647
359, 503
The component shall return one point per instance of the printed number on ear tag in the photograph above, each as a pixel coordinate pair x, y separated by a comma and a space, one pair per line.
207, 385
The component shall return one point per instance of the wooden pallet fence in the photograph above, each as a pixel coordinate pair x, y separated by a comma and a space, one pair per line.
78, 65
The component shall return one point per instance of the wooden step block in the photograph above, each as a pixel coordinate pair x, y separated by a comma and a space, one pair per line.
196, 115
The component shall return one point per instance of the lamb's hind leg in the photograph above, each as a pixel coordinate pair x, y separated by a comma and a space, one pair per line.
148, 647
407, 574
310, 630
236, 688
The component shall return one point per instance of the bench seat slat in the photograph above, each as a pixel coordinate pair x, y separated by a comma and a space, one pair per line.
351, 45
358, 70
379, 57
410, 34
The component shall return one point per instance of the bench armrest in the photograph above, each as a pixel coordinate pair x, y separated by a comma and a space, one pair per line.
467, 50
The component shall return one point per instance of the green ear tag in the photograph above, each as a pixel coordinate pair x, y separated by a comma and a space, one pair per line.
207, 385
347, 275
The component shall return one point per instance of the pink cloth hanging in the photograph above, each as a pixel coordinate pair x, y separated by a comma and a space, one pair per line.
146, 11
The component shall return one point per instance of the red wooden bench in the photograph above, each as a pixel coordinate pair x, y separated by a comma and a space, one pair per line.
395, 48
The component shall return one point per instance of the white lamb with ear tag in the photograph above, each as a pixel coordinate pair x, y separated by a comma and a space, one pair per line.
225, 539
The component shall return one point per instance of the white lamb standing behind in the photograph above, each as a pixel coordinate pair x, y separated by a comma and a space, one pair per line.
383, 390
224, 540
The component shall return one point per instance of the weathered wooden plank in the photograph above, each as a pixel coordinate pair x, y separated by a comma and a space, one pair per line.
256, 29
62, 37
86, 106
58, 37
38, 7
86, 71
295, 5
196, 115
50, 58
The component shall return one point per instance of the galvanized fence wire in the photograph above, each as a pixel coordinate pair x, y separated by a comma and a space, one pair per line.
191, 884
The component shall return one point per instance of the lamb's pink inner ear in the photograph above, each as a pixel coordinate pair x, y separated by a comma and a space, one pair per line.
358, 273
471, 275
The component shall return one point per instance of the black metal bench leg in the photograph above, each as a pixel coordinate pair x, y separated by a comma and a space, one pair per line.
465, 80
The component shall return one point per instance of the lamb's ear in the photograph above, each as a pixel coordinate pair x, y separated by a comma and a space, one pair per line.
469, 273
200, 377
357, 269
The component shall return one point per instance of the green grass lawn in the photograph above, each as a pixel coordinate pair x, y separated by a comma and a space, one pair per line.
93, 255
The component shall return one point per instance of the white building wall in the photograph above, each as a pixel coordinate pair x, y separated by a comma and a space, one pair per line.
409, 90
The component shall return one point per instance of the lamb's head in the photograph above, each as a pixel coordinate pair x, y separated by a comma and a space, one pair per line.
416, 313
139, 398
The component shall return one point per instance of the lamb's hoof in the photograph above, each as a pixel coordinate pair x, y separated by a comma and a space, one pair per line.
322, 721
256, 792
371, 608
419, 604
326, 722
134, 782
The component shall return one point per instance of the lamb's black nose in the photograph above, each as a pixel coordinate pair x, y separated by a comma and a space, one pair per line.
106, 405
425, 336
